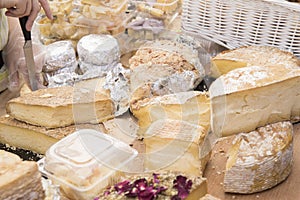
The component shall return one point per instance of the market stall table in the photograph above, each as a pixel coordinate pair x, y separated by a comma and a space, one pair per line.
287, 190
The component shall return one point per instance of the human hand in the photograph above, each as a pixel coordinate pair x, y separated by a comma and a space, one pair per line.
30, 8
14, 57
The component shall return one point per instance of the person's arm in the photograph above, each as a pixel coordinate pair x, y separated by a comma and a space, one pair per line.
30, 8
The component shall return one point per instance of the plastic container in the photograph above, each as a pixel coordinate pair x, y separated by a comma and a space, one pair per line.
166, 10
75, 28
86, 162
101, 9
60, 7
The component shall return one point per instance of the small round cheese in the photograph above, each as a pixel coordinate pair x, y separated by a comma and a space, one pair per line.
60, 55
98, 49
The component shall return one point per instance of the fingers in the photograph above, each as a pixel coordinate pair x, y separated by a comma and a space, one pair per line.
30, 8
34, 12
46, 8
18, 8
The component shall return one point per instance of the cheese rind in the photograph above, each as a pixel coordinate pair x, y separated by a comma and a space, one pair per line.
63, 106
19, 179
192, 107
19, 134
251, 55
175, 145
250, 97
260, 160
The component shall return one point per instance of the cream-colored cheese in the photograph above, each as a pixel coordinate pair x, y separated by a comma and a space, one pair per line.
250, 97
192, 107
35, 138
20, 180
63, 106
175, 145
251, 55
260, 160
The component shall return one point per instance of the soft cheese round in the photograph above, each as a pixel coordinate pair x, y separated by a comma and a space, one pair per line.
260, 159
246, 78
59, 55
98, 49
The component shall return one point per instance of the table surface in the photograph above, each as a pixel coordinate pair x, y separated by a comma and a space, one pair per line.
287, 190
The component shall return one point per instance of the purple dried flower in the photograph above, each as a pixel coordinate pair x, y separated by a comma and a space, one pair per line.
132, 193
96, 198
155, 178
123, 187
147, 194
140, 184
183, 186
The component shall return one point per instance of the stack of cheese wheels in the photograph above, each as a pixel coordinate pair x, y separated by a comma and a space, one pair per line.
47, 115
255, 98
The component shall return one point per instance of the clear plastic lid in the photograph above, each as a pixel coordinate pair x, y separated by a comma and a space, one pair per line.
85, 161
95, 9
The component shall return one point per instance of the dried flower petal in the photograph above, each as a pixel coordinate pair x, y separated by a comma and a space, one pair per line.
123, 186
140, 184
155, 178
183, 186
146, 194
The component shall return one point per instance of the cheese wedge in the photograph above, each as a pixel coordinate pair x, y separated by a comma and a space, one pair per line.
251, 55
165, 185
19, 179
176, 145
260, 160
34, 138
63, 106
250, 97
192, 107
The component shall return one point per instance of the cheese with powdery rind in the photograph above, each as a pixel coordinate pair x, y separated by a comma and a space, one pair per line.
260, 159
250, 97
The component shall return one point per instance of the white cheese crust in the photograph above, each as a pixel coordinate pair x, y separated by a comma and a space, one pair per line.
260, 160
250, 97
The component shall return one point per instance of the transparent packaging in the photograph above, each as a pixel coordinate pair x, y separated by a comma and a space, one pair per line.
166, 10
75, 27
86, 162
60, 7
101, 9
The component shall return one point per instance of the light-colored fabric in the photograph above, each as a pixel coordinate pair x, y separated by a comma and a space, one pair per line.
3, 29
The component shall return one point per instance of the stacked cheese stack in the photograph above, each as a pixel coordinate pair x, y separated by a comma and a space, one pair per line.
256, 98
82, 18
47, 115
173, 119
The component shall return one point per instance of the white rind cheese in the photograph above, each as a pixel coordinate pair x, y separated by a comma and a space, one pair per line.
260, 160
175, 145
250, 97
99, 50
251, 55
191, 106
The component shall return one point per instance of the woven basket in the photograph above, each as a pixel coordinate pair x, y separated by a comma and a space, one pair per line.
235, 23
